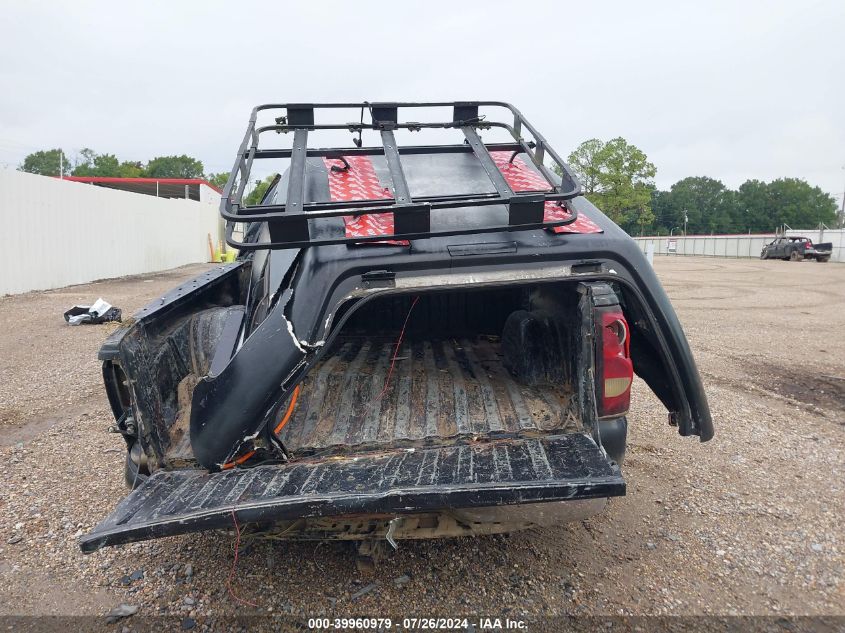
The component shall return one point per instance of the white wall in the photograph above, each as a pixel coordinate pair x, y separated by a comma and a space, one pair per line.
737, 245
212, 196
58, 233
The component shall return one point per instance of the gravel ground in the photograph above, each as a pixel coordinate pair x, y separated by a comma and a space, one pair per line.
749, 523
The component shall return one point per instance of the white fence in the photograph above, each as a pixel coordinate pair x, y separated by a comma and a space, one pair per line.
59, 233
736, 245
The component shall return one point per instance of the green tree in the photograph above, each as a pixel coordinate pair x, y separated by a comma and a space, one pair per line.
131, 169
46, 163
585, 162
219, 179
174, 167
789, 201
90, 163
84, 161
800, 205
618, 178
257, 193
753, 206
709, 206
756, 206
663, 210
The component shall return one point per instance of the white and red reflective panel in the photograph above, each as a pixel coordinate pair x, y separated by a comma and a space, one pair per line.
520, 177
360, 182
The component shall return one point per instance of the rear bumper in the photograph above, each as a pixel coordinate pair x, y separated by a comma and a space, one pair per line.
512, 471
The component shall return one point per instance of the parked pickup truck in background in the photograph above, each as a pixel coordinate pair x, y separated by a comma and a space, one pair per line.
796, 249
415, 341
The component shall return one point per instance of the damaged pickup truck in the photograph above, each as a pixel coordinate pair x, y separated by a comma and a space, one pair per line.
416, 340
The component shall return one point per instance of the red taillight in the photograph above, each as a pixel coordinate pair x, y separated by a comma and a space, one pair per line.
617, 371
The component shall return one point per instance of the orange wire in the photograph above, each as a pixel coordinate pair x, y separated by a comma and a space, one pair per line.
289, 412
233, 573
237, 462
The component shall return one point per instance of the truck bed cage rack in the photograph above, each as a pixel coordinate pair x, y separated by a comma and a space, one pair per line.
290, 223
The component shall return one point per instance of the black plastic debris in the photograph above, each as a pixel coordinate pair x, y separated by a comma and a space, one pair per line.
100, 312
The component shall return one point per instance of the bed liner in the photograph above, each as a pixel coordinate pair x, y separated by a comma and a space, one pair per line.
440, 392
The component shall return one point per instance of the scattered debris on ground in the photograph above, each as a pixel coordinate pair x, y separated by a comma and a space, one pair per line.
100, 312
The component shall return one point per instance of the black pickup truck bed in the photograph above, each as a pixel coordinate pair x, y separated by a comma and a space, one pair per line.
411, 333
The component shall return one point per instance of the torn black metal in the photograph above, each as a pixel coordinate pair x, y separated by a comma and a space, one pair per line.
149, 363
230, 408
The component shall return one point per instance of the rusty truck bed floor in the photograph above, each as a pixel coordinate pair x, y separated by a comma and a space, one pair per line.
438, 392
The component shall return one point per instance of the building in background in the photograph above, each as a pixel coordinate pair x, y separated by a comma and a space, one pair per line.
187, 188
73, 233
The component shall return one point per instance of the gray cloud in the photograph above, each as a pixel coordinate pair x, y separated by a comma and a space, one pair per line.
733, 90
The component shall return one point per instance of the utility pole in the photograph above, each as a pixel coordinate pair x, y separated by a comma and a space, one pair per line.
686, 219
61, 165
842, 209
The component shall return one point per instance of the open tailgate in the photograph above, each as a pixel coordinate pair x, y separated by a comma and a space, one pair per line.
507, 471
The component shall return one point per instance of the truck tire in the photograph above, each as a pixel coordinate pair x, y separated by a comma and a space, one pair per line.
795, 256
824, 258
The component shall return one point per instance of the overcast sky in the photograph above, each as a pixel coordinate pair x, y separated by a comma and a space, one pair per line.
732, 90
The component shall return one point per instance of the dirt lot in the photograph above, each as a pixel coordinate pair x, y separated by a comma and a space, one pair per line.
749, 523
